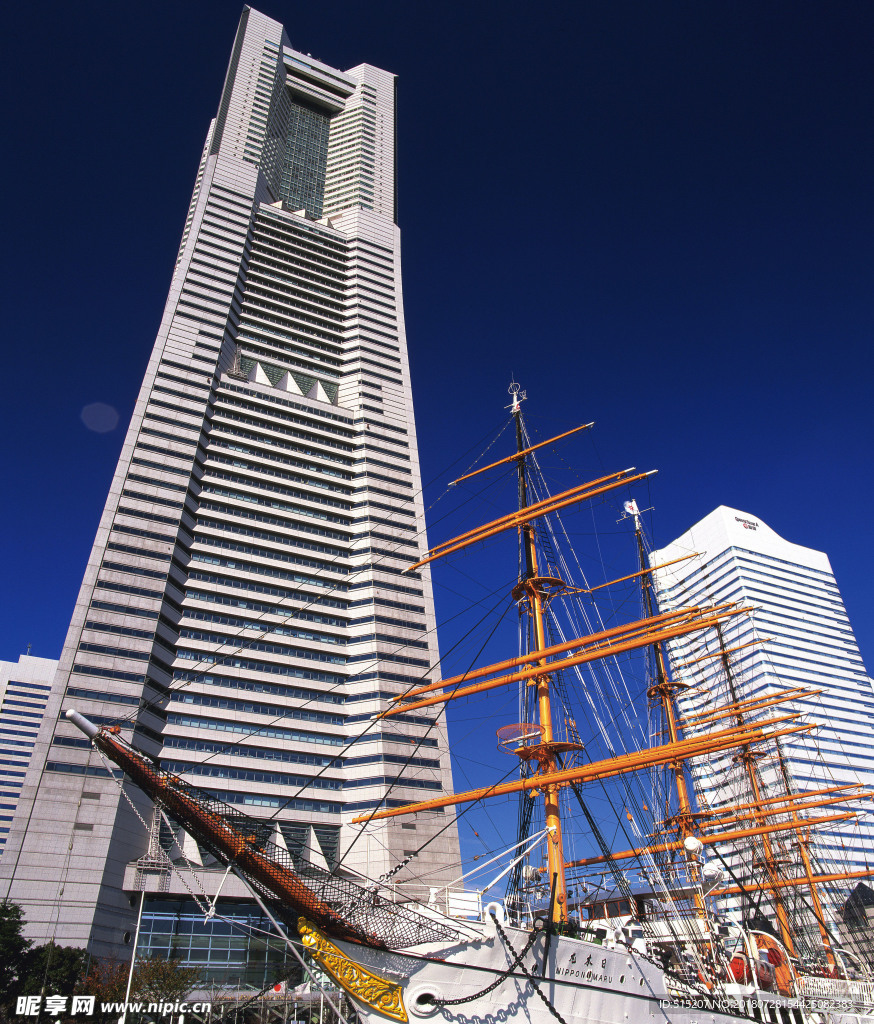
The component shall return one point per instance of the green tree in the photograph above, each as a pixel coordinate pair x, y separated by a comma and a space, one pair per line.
158, 978
55, 969
13, 949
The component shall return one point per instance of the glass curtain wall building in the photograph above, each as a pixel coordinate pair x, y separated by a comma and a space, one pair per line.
797, 636
245, 612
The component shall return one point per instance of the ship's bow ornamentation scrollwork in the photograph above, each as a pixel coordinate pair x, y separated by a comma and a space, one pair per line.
380, 994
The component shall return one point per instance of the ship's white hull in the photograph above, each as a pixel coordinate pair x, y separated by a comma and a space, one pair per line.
583, 982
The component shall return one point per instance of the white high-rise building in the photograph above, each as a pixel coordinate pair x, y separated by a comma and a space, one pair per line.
798, 635
25, 686
244, 612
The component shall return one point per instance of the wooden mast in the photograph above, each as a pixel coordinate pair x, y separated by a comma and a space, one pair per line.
531, 591
663, 690
748, 758
595, 647
774, 882
803, 841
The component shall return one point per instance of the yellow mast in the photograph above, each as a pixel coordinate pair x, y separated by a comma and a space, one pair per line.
802, 840
531, 590
748, 758
618, 764
663, 689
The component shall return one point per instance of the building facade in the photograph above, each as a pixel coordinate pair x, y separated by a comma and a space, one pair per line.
857, 923
245, 609
798, 635
24, 693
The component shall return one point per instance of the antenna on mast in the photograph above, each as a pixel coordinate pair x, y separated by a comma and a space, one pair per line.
632, 511
518, 394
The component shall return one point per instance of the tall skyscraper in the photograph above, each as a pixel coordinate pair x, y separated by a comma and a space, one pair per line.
244, 612
24, 693
798, 636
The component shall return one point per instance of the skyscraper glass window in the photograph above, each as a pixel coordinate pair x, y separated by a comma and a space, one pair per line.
306, 156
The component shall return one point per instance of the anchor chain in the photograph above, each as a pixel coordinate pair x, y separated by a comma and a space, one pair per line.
500, 978
516, 962
530, 977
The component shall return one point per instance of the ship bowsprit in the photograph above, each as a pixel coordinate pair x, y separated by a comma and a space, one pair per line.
379, 920
339, 904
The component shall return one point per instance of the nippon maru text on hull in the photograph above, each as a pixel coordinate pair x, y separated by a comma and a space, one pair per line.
668, 930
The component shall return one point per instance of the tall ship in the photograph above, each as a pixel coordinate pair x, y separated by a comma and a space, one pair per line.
679, 912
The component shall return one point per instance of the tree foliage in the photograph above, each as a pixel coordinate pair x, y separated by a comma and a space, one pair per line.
158, 978
106, 980
26, 969
14, 948
55, 969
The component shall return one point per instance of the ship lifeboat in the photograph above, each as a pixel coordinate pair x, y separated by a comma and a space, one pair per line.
765, 975
778, 961
740, 970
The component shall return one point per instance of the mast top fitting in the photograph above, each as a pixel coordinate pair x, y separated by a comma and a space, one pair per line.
517, 394
525, 740
547, 586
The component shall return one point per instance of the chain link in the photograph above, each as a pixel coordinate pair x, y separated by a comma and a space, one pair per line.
120, 784
517, 959
388, 875
530, 976
203, 909
516, 962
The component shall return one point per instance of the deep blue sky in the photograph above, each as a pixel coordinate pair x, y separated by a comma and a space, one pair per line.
656, 216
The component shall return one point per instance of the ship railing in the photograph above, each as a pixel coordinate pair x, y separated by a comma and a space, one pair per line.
838, 990
460, 900
464, 904
458, 903
692, 928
